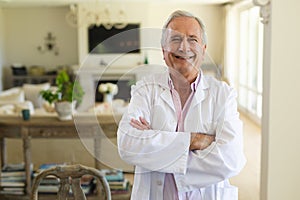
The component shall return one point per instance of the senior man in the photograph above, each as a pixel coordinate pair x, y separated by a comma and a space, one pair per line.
182, 129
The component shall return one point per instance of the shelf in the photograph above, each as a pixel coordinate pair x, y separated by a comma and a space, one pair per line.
19, 80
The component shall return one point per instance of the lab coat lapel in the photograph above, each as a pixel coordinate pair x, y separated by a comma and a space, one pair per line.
167, 97
166, 94
201, 92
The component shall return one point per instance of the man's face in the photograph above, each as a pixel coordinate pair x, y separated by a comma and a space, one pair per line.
183, 49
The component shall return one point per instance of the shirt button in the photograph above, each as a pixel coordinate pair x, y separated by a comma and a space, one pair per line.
159, 182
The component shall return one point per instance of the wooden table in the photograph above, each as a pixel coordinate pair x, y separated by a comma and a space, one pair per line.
86, 126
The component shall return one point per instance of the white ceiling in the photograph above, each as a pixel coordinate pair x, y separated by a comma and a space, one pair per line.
8, 3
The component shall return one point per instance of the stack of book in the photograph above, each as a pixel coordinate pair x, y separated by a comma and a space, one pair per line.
117, 182
12, 179
49, 184
88, 184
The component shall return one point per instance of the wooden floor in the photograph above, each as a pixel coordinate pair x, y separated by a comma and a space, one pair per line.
248, 181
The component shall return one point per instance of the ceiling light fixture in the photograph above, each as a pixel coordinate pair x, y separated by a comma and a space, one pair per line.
80, 15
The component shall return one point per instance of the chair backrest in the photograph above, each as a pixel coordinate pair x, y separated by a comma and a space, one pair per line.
70, 177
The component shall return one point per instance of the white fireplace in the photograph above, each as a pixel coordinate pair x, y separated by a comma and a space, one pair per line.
89, 77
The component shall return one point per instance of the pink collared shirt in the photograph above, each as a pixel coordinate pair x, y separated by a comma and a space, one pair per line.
170, 190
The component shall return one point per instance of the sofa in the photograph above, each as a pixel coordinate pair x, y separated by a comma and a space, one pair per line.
13, 100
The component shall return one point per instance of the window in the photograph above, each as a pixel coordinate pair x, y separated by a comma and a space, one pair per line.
250, 63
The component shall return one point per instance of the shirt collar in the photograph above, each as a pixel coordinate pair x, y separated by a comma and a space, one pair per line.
194, 84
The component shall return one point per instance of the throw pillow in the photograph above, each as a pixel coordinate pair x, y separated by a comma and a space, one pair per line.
11, 96
7, 109
32, 93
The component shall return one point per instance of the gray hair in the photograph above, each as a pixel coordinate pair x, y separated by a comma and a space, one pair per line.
181, 13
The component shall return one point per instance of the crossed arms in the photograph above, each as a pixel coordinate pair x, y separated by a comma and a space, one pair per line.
198, 141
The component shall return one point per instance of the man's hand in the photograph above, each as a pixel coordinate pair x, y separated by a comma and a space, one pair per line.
200, 141
140, 124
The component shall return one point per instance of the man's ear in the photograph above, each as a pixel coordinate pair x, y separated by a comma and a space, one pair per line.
163, 51
203, 52
204, 49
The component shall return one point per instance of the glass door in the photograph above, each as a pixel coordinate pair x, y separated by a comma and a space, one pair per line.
250, 63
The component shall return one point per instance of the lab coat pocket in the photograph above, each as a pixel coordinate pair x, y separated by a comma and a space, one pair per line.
159, 118
227, 193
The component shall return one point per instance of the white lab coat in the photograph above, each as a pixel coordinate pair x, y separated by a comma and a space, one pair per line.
162, 150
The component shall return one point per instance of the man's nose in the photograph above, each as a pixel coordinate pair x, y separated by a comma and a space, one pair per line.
184, 45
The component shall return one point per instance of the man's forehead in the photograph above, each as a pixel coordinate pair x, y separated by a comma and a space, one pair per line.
191, 33
184, 25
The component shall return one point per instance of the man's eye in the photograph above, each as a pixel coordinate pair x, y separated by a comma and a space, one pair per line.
175, 39
193, 39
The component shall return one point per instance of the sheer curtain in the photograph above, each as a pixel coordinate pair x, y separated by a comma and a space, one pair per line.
243, 56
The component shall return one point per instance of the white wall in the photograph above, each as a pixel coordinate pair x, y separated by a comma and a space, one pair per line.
153, 15
135, 13
1, 46
25, 30
281, 163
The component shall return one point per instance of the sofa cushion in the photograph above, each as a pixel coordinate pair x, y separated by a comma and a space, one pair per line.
12, 96
7, 109
32, 93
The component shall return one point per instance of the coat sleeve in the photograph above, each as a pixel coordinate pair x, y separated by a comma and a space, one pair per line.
224, 158
155, 150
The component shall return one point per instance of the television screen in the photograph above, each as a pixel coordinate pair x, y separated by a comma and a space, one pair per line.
114, 41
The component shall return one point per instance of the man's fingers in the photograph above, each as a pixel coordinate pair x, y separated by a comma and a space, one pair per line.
137, 124
144, 122
201, 141
141, 125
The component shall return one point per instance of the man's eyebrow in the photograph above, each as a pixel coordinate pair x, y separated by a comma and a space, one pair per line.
193, 36
180, 35
177, 35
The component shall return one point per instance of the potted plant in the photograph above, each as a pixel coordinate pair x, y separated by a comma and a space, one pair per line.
65, 98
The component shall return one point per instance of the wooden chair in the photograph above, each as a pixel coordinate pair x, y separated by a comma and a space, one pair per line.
70, 176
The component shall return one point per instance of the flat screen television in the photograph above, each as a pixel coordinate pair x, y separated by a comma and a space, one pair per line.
114, 41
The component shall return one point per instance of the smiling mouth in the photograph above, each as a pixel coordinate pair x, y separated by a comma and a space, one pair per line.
183, 57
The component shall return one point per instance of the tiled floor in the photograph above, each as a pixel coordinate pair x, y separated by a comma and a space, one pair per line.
248, 180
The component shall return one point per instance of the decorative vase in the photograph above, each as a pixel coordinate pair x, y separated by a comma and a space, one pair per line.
108, 97
65, 109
